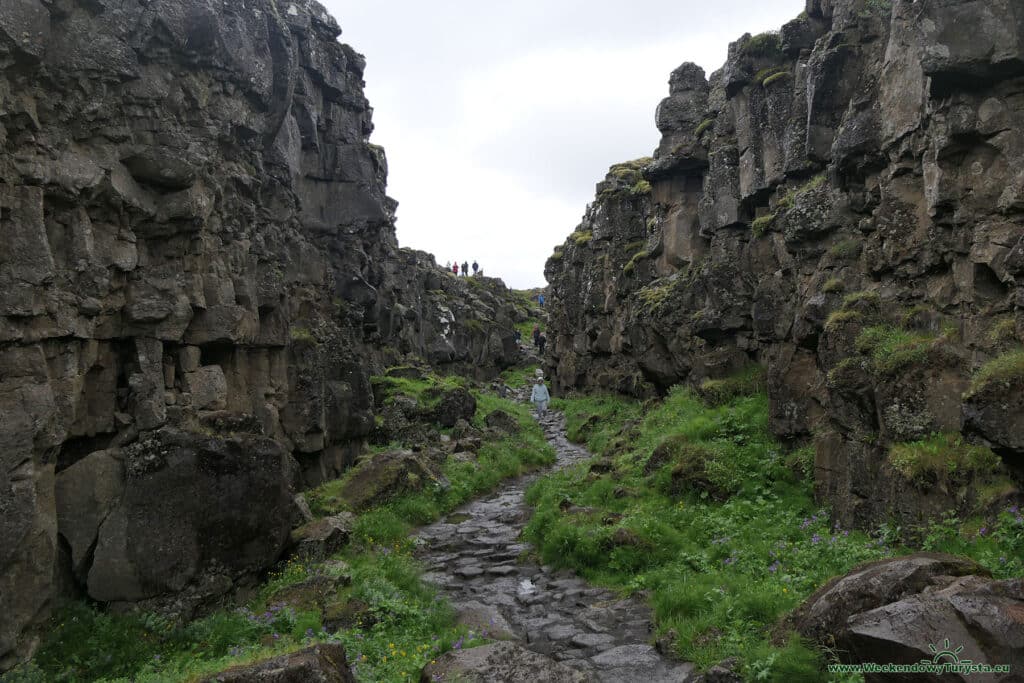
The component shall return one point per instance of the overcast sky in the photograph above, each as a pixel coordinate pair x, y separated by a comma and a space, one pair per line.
500, 117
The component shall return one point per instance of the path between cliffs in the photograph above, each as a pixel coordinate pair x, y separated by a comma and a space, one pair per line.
471, 555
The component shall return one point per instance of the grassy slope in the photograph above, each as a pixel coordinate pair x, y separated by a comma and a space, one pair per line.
402, 622
722, 561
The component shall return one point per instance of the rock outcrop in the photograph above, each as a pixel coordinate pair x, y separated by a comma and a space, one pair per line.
319, 664
199, 276
926, 607
841, 203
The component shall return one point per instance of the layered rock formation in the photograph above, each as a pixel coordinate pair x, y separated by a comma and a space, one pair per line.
198, 277
842, 203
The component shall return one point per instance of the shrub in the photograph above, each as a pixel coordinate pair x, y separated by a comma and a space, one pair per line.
862, 298
840, 317
557, 255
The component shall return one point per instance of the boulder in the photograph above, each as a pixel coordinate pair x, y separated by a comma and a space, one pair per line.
324, 663
321, 538
86, 494
191, 504
381, 476
502, 421
504, 661
455, 404
906, 609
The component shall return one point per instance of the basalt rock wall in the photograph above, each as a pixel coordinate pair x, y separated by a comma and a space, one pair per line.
198, 275
843, 204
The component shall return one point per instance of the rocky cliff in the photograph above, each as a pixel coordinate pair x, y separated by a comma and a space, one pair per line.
199, 274
842, 204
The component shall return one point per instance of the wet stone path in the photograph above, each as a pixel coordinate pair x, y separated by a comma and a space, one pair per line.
473, 556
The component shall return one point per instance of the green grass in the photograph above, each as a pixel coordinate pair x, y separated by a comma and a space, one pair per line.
426, 391
748, 381
941, 457
846, 249
892, 349
761, 225
709, 517
767, 72
399, 623
833, 285
703, 126
1003, 330
556, 255
776, 77
581, 237
636, 258
866, 298
718, 528
1005, 369
640, 187
763, 45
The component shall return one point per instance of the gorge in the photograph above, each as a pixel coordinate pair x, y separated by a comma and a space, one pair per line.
223, 383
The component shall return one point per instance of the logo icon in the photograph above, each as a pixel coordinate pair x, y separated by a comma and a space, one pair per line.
946, 655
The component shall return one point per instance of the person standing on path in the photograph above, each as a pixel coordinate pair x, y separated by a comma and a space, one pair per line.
540, 300
476, 266
455, 268
465, 268
540, 397
536, 335
541, 342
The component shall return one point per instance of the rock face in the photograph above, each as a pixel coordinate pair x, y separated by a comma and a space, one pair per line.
841, 203
898, 610
197, 241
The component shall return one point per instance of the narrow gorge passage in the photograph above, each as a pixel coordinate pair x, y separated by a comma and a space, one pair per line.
472, 556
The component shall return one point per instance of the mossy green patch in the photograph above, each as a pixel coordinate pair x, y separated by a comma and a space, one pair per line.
832, 285
892, 349
778, 77
760, 225
1006, 369
941, 456
748, 382
703, 126
581, 237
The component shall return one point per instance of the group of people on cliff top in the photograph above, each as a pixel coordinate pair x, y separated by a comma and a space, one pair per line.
455, 268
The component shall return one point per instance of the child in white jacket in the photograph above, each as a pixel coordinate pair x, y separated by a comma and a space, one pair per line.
540, 396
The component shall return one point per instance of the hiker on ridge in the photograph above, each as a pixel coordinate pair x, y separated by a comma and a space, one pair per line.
465, 268
455, 268
541, 342
476, 266
536, 335
540, 397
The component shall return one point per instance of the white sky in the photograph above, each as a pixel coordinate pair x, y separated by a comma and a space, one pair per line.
499, 118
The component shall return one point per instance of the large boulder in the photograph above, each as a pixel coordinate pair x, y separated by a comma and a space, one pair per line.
321, 538
191, 505
505, 661
908, 609
324, 663
455, 404
382, 476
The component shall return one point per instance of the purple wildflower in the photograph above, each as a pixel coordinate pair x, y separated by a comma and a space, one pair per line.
815, 539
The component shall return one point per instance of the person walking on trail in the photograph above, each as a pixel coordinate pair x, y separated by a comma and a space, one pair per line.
519, 338
476, 266
541, 342
455, 268
536, 335
465, 268
540, 397
540, 300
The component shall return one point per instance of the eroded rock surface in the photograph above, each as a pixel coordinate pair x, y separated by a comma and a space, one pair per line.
841, 203
324, 663
910, 609
197, 243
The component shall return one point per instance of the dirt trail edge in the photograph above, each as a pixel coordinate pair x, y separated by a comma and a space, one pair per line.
472, 556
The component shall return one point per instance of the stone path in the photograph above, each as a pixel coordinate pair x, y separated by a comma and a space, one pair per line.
472, 556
